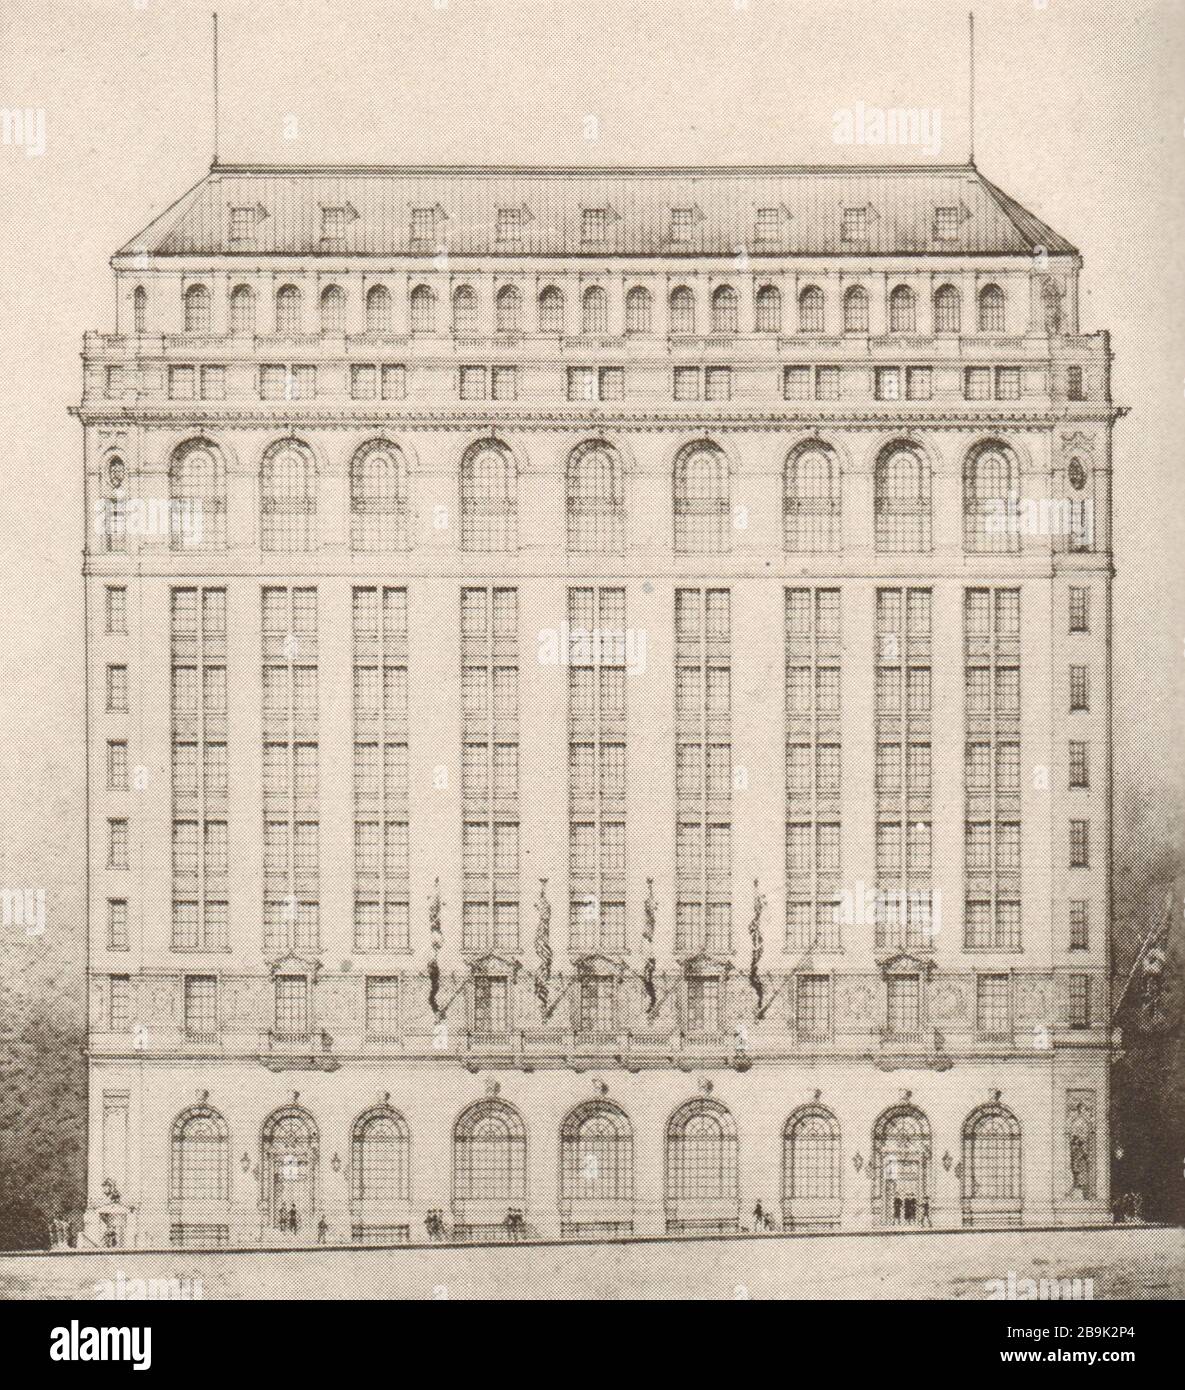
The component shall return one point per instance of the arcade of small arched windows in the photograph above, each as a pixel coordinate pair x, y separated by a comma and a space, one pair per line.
700, 1153
702, 497
589, 312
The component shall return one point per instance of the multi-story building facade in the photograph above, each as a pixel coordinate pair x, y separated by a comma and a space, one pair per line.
599, 707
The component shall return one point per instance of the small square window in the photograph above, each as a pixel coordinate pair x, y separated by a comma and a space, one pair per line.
854, 226
919, 383
303, 383
682, 224
718, 383
769, 224
333, 224
242, 224
1007, 383
213, 383
946, 224
687, 383
394, 381
508, 225
182, 383
978, 383
594, 225
796, 383
363, 383
827, 383
273, 383
473, 383
612, 383
504, 383
582, 384
888, 383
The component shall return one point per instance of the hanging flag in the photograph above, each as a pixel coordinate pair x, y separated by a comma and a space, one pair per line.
543, 946
758, 946
650, 920
436, 935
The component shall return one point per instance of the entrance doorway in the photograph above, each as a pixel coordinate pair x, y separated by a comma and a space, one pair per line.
901, 1167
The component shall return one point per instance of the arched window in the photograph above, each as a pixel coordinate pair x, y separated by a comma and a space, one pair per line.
810, 310
490, 1154
902, 502
200, 1168
769, 309
903, 310
682, 310
378, 498
991, 309
725, 312
423, 310
594, 311
596, 1155
855, 310
701, 1154
991, 1157
637, 310
380, 1150
489, 498
702, 500
810, 1155
508, 310
288, 309
901, 1163
139, 309
197, 497
991, 484
333, 309
812, 499
197, 309
288, 1174
378, 309
464, 309
947, 310
288, 497
551, 310
242, 310
596, 500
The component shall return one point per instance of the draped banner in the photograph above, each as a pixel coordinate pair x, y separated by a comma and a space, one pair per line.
543, 946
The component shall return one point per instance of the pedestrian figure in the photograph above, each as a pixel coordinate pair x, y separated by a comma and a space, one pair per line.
322, 1231
758, 1216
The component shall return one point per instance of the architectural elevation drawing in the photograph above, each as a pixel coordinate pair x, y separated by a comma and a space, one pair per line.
600, 714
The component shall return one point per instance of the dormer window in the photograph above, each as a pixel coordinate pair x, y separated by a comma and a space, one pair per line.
769, 224
423, 226
682, 224
508, 225
594, 225
946, 224
242, 224
333, 224
854, 226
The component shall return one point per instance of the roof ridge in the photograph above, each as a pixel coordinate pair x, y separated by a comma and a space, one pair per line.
592, 170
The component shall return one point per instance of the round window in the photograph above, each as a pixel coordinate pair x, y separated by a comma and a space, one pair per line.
1077, 475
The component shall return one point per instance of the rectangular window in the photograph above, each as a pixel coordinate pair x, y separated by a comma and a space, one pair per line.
201, 1008
117, 609
903, 1006
292, 1006
796, 383
473, 383
1079, 925
594, 225
717, 383
1007, 383
117, 924
394, 381
303, 383
826, 383
854, 225
1079, 609
213, 383
977, 383
273, 383
117, 844
946, 224
682, 224
242, 224
181, 383
612, 383
919, 383
508, 224
769, 224
1079, 764
364, 383
423, 225
1075, 389
382, 1007
687, 383
703, 1005
582, 384
1079, 844
504, 383
333, 224
1079, 688
992, 1015
490, 1005
813, 1007
120, 1003
1079, 1001
117, 765
888, 383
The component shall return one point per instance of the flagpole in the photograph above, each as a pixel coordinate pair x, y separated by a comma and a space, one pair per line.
1156, 930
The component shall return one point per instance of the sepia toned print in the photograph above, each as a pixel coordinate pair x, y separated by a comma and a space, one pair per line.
600, 726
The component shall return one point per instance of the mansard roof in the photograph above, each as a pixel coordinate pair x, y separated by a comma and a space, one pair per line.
803, 213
